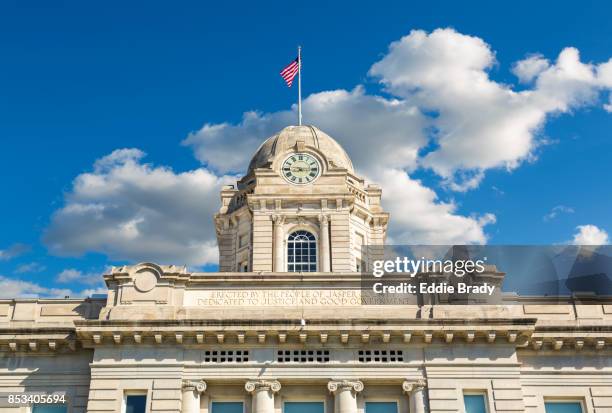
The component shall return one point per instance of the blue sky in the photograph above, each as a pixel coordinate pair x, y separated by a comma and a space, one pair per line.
80, 80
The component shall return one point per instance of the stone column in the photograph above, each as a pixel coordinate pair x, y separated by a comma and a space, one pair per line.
345, 395
324, 243
191, 396
263, 394
416, 393
279, 238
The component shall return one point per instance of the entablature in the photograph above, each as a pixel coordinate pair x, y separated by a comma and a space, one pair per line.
339, 332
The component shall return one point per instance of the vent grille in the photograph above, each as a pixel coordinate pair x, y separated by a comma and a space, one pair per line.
303, 356
226, 356
381, 356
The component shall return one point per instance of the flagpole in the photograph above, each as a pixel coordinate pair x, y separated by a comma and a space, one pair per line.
299, 85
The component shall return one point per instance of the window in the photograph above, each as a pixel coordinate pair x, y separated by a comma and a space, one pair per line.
244, 266
301, 252
475, 403
49, 408
135, 403
227, 407
303, 407
563, 407
381, 407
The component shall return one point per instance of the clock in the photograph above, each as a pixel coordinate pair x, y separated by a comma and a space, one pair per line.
301, 168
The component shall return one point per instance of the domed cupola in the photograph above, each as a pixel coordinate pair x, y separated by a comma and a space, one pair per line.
312, 137
299, 208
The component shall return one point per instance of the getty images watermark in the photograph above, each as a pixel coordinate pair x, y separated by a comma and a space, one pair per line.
413, 267
482, 274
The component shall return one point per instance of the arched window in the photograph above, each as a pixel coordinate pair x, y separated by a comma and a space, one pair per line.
301, 252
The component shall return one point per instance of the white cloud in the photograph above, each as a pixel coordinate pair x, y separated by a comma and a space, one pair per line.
528, 69
559, 209
11, 288
16, 288
590, 235
418, 217
608, 106
481, 123
133, 211
71, 275
30, 267
357, 120
13, 251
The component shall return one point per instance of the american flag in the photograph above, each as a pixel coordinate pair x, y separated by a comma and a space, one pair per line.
289, 72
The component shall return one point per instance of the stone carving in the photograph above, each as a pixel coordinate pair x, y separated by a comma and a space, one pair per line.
196, 386
412, 386
271, 385
339, 385
145, 280
278, 219
269, 297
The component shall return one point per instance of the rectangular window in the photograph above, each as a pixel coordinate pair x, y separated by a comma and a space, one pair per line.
49, 408
135, 403
381, 407
304, 407
563, 407
227, 407
475, 403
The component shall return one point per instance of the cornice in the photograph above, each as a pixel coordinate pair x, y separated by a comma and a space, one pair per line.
521, 333
37, 340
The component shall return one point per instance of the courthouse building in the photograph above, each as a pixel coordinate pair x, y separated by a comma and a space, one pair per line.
281, 328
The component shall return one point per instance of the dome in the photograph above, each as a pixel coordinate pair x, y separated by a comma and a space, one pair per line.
285, 140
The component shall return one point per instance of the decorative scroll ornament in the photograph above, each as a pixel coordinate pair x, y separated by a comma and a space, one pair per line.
339, 385
270, 385
412, 386
196, 386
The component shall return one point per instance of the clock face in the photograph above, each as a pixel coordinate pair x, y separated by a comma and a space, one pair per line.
301, 168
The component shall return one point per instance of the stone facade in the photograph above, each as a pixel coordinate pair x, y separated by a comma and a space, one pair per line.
266, 337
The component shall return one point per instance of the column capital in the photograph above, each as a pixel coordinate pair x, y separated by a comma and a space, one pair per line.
410, 386
354, 385
271, 385
324, 219
196, 386
278, 219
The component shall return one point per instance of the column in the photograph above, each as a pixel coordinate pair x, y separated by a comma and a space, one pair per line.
324, 243
416, 393
279, 244
345, 395
263, 394
191, 396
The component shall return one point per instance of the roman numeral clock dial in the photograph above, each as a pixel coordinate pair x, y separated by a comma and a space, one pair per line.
301, 168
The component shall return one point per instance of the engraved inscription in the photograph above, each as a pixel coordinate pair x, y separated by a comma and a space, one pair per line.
278, 297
